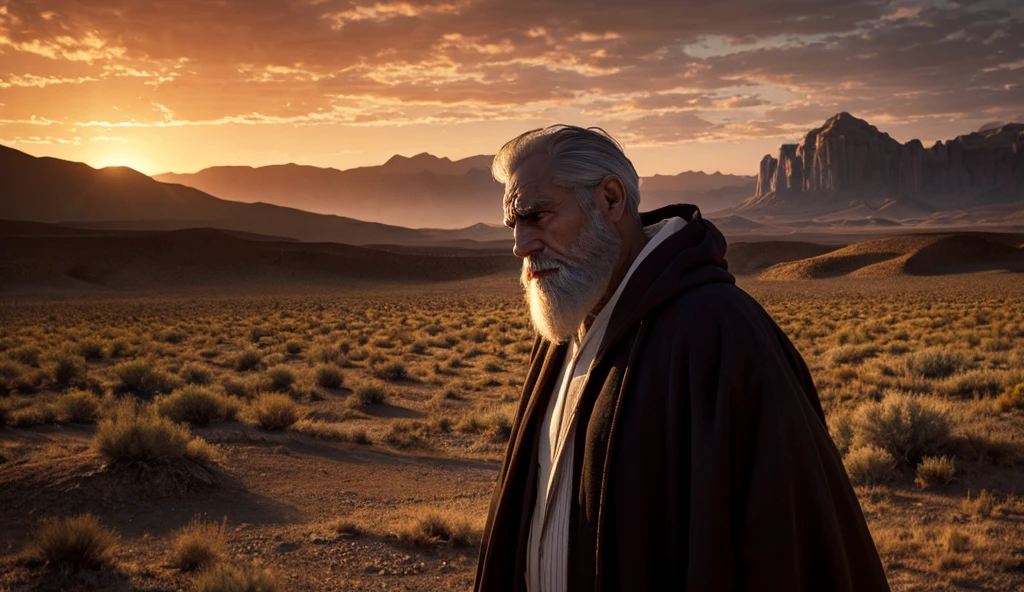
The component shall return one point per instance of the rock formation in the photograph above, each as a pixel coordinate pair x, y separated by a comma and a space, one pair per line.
847, 158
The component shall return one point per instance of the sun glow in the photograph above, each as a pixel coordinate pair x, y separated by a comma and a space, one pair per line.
125, 157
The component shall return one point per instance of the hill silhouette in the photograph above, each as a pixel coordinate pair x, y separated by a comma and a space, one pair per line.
53, 190
43, 257
921, 255
425, 190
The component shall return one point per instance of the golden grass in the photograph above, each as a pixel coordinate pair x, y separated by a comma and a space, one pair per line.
230, 577
198, 544
76, 541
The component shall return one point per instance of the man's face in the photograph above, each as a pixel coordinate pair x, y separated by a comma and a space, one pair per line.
569, 251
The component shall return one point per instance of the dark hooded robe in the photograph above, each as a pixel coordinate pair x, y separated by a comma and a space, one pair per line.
701, 460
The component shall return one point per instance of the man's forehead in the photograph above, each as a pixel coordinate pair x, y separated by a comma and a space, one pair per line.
526, 182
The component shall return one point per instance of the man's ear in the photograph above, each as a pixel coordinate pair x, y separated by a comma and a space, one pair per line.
612, 198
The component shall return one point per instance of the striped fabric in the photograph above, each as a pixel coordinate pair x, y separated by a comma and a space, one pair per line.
548, 552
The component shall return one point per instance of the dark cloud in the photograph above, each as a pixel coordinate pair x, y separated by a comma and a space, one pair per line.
633, 63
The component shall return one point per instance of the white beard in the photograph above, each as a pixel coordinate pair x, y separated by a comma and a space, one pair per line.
561, 301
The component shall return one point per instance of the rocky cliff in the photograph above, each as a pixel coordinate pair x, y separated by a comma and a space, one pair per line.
848, 159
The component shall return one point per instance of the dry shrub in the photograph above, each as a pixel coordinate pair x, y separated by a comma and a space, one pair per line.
1011, 398
197, 405
390, 371
90, 349
330, 431
198, 544
273, 411
937, 362
76, 541
10, 375
345, 526
249, 359
908, 427
195, 374
143, 377
280, 379
981, 506
975, 383
329, 376
40, 413
227, 577
869, 465
78, 406
5, 412
406, 433
932, 471
66, 367
234, 387
369, 394
952, 544
139, 435
849, 354
435, 527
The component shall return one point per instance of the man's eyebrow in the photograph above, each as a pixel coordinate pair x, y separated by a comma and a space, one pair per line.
513, 210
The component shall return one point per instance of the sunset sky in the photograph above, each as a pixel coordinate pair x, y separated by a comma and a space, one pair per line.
179, 85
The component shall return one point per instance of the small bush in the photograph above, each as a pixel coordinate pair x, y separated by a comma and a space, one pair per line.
198, 544
140, 435
1011, 398
435, 526
935, 470
280, 379
249, 359
329, 376
345, 526
227, 577
195, 374
937, 362
391, 371
405, 433
66, 368
370, 394
196, 405
76, 541
27, 355
849, 354
293, 348
982, 506
906, 426
237, 388
37, 414
143, 377
869, 465
78, 407
10, 376
5, 412
90, 349
274, 411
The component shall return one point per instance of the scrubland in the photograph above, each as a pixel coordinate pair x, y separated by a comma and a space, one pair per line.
315, 441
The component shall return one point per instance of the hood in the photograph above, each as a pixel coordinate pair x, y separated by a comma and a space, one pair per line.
693, 256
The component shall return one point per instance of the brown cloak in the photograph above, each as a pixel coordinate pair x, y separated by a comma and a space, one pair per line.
702, 460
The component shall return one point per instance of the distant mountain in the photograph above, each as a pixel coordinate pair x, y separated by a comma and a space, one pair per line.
848, 170
419, 192
425, 190
47, 258
428, 163
54, 190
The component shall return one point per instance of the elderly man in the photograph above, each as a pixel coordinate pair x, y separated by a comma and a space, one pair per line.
669, 436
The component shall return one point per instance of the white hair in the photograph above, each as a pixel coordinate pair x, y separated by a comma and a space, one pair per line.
580, 159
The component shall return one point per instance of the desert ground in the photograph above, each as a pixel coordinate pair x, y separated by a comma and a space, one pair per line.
347, 438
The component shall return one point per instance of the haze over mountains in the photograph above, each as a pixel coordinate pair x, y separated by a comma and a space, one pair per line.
844, 182
53, 190
425, 190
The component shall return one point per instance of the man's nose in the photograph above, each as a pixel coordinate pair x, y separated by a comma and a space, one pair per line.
527, 241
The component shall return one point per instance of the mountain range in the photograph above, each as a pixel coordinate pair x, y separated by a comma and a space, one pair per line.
848, 170
53, 190
425, 190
